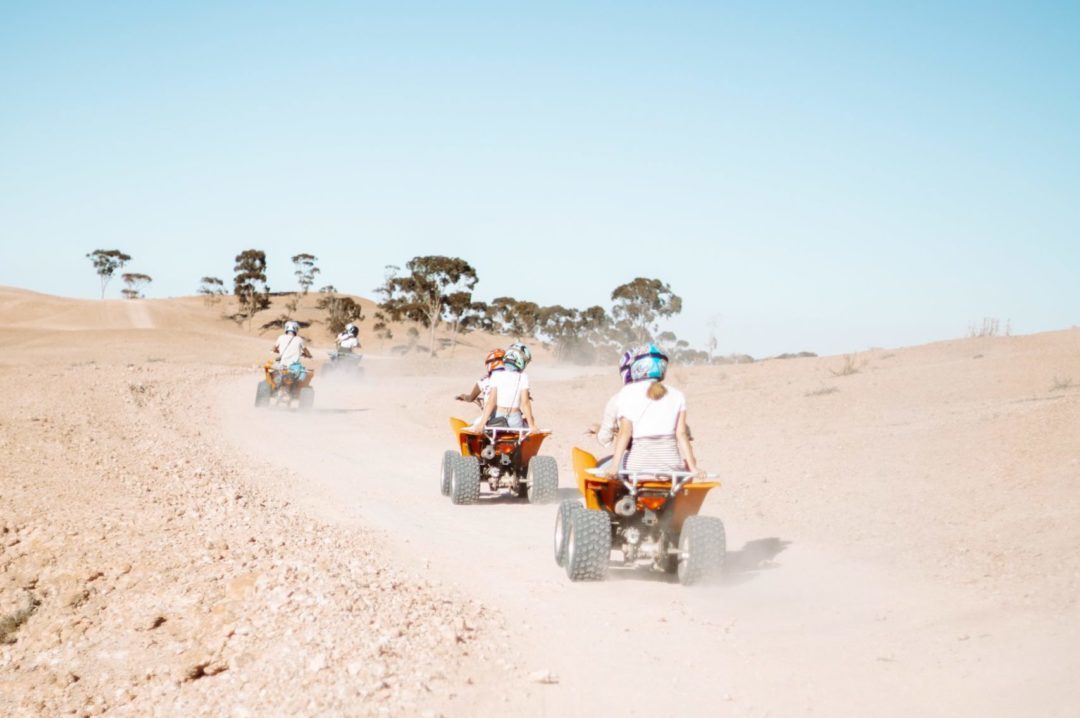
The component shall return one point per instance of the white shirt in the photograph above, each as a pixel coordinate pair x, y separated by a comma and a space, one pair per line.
650, 418
508, 387
347, 341
290, 348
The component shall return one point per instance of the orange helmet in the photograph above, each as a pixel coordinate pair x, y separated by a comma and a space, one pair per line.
494, 360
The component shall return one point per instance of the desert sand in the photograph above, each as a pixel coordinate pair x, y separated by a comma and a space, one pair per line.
902, 539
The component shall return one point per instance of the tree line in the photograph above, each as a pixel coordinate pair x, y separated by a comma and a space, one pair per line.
437, 291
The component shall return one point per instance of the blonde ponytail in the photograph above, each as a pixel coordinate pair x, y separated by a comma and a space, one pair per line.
657, 390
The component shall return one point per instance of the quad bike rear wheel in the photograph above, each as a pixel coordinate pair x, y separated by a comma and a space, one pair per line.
563, 518
262, 394
588, 548
307, 398
465, 480
447, 470
702, 545
542, 480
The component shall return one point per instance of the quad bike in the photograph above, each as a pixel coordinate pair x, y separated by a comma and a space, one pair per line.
506, 458
344, 361
281, 387
649, 517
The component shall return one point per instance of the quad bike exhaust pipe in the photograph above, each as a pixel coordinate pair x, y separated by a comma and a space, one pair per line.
626, 506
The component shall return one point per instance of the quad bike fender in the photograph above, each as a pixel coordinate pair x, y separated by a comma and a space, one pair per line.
466, 439
531, 445
268, 371
598, 493
688, 502
582, 461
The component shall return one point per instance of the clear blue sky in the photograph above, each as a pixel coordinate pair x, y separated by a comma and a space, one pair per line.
823, 176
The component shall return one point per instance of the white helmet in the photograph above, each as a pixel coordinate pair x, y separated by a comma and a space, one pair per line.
292, 327
352, 330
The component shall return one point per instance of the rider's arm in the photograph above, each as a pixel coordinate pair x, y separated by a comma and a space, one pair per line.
682, 436
609, 424
622, 440
526, 408
304, 352
471, 396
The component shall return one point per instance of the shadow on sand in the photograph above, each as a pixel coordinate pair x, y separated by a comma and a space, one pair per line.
753, 558
739, 566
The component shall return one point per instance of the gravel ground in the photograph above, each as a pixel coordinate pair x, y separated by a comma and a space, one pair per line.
141, 573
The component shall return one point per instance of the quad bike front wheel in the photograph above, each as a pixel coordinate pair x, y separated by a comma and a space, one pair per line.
447, 471
262, 395
588, 547
542, 480
702, 545
563, 518
465, 480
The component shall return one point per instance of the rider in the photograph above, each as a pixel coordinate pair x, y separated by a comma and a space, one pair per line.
492, 362
608, 427
654, 416
290, 348
508, 396
349, 339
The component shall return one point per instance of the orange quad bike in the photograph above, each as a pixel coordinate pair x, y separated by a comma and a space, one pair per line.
503, 457
281, 385
648, 517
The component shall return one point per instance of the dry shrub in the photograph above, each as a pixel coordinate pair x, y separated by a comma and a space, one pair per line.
850, 367
1061, 383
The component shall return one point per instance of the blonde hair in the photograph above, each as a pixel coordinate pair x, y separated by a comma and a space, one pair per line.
656, 390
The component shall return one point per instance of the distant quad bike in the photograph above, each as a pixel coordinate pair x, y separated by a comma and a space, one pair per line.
344, 362
650, 518
503, 457
281, 387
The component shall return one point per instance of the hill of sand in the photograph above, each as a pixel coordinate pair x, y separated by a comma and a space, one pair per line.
901, 534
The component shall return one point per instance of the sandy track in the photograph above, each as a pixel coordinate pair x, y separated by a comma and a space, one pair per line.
796, 628
902, 539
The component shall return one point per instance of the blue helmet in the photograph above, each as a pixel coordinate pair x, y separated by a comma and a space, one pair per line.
650, 362
525, 353
514, 360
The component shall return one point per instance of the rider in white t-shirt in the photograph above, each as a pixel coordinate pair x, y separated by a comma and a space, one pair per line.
290, 346
290, 349
654, 416
508, 393
349, 339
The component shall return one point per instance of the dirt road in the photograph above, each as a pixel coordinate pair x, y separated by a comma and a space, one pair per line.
902, 536
794, 629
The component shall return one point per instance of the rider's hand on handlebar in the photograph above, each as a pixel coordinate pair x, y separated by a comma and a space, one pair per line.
592, 429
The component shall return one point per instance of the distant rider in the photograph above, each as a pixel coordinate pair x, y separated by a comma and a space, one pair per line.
349, 339
492, 362
290, 349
